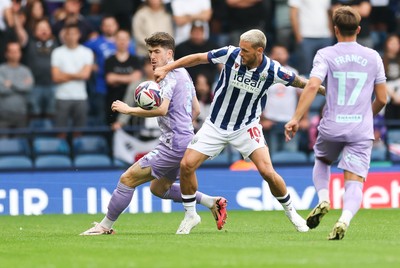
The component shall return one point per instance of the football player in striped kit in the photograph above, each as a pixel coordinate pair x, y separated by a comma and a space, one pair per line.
239, 98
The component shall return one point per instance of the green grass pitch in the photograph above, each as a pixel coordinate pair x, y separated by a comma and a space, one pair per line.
250, 239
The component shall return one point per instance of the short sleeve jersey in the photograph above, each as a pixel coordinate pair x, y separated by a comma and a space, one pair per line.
176, 126
241, 94
351, 71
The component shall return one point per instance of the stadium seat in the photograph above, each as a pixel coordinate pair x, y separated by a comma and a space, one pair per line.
92, 160
90, 145
40, 124
393, 136
53, 161
120, 164
15, 162
14, 146
311, 157
50, 145
286, 157
378, 154
393, 143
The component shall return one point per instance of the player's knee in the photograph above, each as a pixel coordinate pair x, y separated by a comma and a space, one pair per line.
126, 180
187, 166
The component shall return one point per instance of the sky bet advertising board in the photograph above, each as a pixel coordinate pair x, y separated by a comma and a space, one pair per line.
67, 192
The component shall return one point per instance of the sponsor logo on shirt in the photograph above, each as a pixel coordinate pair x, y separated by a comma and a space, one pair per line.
245, 83
349, 118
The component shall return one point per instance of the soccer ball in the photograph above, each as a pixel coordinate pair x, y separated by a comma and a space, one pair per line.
148, 95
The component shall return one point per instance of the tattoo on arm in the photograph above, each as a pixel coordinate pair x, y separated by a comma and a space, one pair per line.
322, 90
301, 83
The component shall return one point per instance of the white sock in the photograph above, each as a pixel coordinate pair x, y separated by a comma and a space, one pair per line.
107, 223
323, 195
189, 203
346, 217
286, 202
207, 201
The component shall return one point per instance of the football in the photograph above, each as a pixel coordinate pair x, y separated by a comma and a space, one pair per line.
148, 95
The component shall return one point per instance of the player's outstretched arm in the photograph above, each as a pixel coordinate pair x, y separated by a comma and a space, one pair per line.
306, 98
187, 61
302, 82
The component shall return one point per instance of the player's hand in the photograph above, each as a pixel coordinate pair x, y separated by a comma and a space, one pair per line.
159, 74
120, 106
290, 129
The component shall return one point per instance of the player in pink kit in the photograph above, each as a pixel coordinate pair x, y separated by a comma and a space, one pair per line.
353, 74
161, 166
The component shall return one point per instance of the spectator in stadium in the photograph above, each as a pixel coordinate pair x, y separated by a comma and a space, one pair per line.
122, 10
391, 61
121, 69
239, 99
363, 7
282, 25
243, 15
219, 28
6, 26
383, 22
280, 107
37, 56
73, 16
103, 46
185, 12
353, 73
71, 65
203, 85
16, 82
93, 13
195, 44
150, 17
161, 166
309, 35
35, 12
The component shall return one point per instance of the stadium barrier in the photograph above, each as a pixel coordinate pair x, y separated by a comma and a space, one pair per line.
88, 191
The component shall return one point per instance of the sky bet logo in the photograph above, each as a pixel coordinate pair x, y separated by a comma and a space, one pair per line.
245, 83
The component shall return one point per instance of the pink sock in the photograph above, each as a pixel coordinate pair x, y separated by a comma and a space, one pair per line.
321, 175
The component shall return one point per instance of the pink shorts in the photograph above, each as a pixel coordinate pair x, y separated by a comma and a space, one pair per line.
355, 158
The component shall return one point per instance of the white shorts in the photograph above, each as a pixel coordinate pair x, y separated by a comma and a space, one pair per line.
211, 140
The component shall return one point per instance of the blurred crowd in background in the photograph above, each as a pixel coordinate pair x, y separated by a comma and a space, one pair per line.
62, 63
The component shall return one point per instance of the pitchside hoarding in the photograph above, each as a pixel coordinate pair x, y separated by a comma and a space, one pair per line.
67, 192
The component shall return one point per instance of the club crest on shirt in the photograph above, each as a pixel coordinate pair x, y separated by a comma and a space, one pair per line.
194, 140
263, 76
236, 65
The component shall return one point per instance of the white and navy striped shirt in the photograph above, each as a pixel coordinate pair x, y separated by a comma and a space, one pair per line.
241, 94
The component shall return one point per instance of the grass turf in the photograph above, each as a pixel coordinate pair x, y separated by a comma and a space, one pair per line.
250, 239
